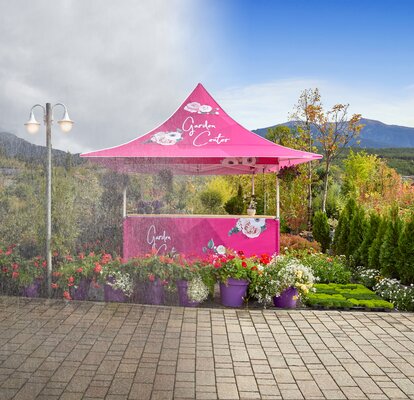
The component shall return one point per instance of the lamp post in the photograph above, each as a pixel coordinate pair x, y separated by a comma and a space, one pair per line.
32, 127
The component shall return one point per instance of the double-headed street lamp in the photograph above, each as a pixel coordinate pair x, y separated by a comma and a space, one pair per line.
32, 127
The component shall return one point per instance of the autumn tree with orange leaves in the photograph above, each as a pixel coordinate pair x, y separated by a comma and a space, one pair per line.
334, 130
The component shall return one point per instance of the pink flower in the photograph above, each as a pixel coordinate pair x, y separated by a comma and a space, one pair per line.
15, 275
98, 268
66, 295
151, 277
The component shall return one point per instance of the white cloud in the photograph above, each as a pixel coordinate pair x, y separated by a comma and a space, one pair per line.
266, 104
121, 68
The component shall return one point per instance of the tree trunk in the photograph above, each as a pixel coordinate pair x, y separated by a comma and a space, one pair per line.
325, 186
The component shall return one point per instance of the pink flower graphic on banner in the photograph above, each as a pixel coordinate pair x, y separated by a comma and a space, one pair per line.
166, 138
198, 108
251, 227
192, 107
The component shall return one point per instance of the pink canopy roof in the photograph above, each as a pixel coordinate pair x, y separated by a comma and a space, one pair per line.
201, 139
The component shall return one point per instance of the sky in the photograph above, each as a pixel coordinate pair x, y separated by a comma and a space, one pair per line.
122, 68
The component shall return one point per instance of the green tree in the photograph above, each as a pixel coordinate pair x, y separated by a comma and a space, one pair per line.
212, 201
235, 206
321, 231
342, 231
374, 250
370, 232
357, 228
389, 248
405, 261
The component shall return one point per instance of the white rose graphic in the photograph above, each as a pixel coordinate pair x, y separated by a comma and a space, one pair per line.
166, 138
204, 109
192, 107
251, 227
221, 249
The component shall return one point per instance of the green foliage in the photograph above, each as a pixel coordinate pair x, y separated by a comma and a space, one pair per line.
357, 229
327, 269
346, 296
212, 201
321, 230
342, 232
389, 248
235, 206
405, 258
369, 234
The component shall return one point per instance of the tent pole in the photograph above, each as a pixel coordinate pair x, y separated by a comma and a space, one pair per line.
277, 198
124, 198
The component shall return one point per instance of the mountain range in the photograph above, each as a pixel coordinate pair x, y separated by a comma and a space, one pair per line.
374, 134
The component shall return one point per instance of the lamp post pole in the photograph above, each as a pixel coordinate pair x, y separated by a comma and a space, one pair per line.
48, 122
32, 127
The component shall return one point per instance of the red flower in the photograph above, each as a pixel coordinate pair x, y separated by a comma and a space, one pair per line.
15, 266
240, 253
81, 256
254, 268
56, 274
15, 275
79, 270
71, 279
98, 268
36, 264
151, 277
66, 295
54, 285
5, 270
244, 264
91, 254
8, 252
69, 258
1, 251
44, 263
164, 282
55, 254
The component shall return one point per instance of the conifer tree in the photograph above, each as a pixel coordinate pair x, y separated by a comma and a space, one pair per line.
357, 229
405, 264
341, 239
320, 230
370, 232
374, 250
389, 249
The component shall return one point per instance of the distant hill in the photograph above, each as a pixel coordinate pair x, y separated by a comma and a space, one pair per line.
374, 134
13, 146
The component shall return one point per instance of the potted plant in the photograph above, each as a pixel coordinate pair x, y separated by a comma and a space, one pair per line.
189, 274
251, 208
293, 280
233, 271
119, 283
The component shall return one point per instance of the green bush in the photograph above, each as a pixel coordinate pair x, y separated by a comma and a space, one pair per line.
345, 296
325, 268
321, 231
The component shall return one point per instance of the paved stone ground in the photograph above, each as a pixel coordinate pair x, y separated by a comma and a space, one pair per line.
58, 350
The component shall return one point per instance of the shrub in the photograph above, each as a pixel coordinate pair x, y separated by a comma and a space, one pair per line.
405, 261
341, 238
235, 206
212, 200
326, 268
321, 231
374, 250
389, 249
357, 229
370, 232
290, 242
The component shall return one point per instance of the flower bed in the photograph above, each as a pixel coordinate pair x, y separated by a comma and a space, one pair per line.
350, 296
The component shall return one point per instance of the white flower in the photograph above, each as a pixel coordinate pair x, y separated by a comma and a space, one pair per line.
197, 290
192, 107
166, 138
221, 249
205, 109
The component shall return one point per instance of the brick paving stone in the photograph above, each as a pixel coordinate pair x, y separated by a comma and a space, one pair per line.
53, 349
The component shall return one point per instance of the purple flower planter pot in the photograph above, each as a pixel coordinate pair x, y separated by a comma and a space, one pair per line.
32, 290
287, 299
182, 286
114, 295
233, 292
155, 293
81, 292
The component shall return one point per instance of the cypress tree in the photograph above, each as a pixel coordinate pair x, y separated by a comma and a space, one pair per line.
341, 239
405, 264
374, 250
389, 249
357, 228
321, 230
370, 232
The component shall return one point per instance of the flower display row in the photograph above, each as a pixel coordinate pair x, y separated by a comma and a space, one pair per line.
149, 279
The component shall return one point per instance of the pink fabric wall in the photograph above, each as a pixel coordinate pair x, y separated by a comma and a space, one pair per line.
198, 236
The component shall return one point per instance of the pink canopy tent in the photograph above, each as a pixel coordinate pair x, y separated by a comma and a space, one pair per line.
200, 139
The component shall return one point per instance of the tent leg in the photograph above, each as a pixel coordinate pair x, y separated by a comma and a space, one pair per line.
277, 199
124, 203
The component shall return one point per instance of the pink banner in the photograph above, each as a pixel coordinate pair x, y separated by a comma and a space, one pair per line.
199, 235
